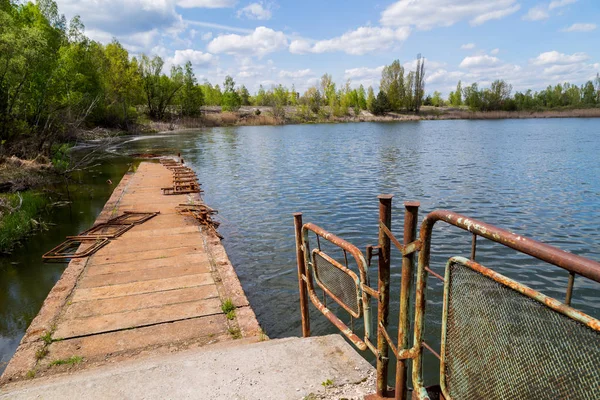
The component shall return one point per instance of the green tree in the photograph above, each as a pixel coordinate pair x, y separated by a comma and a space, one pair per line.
231, 100
392, 83
437, 100
122, 81
244, 96
190, 95
159, 89
362, 98
370, 99
381, 105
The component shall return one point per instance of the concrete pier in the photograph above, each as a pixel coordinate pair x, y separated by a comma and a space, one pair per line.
143, 318
157, 288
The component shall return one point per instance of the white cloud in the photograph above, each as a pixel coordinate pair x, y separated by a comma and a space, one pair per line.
206, 3
427, 14
206, 36
560, 3
363, 72
260, 42
580, 27
483, 61
554, 57
217, 26
363, 40
122, 17
537, 13
495, 51
255, 11
197, 58
468, 46
295, 74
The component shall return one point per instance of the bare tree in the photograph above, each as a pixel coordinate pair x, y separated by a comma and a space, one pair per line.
419, 82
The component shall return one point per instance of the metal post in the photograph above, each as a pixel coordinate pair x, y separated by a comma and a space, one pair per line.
411, 215
385, 218
302, 272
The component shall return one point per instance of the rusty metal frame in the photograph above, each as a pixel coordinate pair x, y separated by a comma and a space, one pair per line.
58, 252
547, 301
143, 217
91, 233
308, 273
573, 263
348, 272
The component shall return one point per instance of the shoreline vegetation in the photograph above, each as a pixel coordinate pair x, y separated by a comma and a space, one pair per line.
247, 116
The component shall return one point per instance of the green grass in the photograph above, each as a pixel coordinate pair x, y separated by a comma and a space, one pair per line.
69, 361
18, 222
229, 309
235, 333
30, 374
328, 382
41, 353
47, 337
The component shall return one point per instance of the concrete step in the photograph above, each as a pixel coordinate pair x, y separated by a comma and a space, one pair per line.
291, 368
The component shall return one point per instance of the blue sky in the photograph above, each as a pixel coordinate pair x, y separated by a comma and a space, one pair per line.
531, 44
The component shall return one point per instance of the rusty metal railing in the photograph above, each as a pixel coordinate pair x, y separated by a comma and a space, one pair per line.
406, 352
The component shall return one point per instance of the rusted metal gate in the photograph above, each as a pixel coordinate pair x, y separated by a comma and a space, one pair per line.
500, 339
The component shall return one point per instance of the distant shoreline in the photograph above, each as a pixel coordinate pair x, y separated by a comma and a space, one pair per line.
248, 116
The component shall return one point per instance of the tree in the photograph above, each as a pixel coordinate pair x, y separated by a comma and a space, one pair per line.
312, 98
244, 96
370, 99
381, 104
455, 98
419, 83
190, 95
231, 100
159, 89
122, 80
362, 98
437, 100
392, 83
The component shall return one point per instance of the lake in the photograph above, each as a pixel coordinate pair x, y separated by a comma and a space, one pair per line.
538, 178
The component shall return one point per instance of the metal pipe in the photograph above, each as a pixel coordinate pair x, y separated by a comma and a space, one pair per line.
552, 255
301, 272
473, 247
570, 288
411, 215
385, 218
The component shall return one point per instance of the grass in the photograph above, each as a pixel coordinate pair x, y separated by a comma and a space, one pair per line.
19, 217
327, 383
69, 361
30, 374
41, 353
235, 333
229, 309
47, 337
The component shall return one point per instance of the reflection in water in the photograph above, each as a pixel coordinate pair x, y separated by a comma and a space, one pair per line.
536, 177
24, 280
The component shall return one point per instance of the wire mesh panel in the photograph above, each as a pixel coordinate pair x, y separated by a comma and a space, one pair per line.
502, 344
338, 281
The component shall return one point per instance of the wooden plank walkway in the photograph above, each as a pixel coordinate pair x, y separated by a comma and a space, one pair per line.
157, 288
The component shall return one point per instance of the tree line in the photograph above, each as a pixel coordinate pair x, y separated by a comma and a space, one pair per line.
499, 97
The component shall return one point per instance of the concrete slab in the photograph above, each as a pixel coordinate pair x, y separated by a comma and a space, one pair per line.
112, 305
136, 318
155, 285
278, 369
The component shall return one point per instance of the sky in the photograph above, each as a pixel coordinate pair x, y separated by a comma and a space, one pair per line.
530, 44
